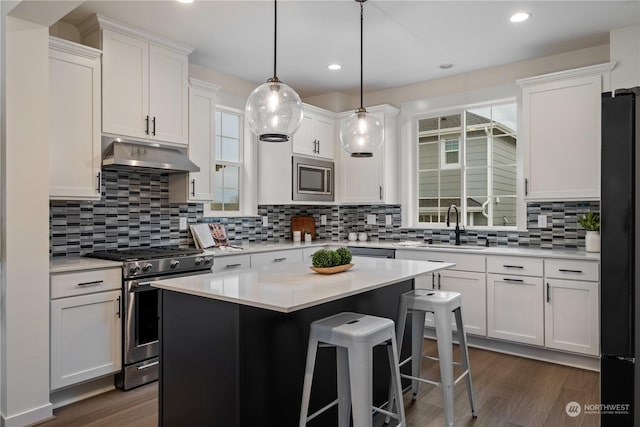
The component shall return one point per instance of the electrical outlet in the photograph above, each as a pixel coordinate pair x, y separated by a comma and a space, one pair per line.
371, 219
388, 220
323, 220
183, 223
542, 221
265, 221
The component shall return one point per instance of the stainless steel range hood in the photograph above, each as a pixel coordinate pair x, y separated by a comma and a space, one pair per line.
153, 156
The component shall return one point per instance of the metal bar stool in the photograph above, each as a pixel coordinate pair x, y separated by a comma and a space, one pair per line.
354, 336
441, 304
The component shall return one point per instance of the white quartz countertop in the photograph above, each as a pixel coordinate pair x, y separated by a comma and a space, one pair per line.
62, 265
290, 287
413, 246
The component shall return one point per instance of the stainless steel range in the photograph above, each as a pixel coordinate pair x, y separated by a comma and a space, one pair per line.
140, 304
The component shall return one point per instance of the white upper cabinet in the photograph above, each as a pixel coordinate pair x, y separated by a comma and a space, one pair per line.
373, 179
144, 82
74, 125
316, 135
561, 133
198, 186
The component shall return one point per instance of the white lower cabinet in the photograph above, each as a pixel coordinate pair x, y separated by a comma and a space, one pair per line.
231, 262
515, 309
571, 306
467, 277
86, 326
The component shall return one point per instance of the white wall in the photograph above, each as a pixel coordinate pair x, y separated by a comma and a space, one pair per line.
25, 226
625, 50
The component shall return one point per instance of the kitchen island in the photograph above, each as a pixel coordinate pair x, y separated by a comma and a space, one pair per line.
233, 345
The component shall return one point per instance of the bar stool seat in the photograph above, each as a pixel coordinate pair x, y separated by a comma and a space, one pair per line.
354, 336
441, 303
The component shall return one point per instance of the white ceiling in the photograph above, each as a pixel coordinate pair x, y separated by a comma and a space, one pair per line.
404, 41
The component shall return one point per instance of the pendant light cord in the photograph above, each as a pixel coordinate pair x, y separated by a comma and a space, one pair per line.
275, 35
361, 37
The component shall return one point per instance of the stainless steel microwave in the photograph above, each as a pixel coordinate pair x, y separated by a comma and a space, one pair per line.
313, 180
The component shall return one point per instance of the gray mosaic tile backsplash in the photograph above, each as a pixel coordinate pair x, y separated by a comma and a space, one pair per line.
135, 212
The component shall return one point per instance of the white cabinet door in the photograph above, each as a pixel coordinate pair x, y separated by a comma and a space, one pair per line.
125, 85
231, 263
473, 290
86, 337
74, 125
168, 74
198, 186
571, 316
372, 180
561, 133
515, 309
316, 135
274, 173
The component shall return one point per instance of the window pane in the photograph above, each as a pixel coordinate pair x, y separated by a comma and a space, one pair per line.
425, 125
428, 156
218, 122
504, 180
477, 182
428, 184
477, 152
450, 122
218, 147
230, 150
505, 117
477, 211
452, 158
504, 211
230, 125
452, 145
450, 183
504, 150
231, 177
478, 118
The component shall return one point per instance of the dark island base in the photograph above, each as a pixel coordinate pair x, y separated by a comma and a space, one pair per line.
229, 365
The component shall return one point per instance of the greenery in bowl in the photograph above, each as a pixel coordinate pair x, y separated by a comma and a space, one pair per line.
590, 221
325, 258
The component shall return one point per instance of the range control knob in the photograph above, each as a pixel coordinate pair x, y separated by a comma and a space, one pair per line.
135, 268
208, 260
174, 263
199, 260
146, 267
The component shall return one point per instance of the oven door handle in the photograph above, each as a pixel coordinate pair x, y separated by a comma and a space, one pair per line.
136, 286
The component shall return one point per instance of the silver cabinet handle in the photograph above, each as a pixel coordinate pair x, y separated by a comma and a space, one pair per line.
279, 259
94, 283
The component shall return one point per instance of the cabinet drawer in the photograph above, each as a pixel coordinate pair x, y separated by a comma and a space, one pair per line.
519, 266
85, 282
464, 262
231, 262
572, 270
276, 257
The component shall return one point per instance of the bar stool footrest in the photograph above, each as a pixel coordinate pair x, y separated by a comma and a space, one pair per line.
322, 410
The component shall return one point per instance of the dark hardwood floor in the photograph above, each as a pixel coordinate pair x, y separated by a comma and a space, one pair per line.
510, 391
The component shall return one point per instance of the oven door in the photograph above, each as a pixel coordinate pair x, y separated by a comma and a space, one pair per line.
141, 317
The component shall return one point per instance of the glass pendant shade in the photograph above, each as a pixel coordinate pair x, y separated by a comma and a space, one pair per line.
361, 134
274, 111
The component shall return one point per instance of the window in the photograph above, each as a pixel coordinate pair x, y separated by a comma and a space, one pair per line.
468, 159
228, 161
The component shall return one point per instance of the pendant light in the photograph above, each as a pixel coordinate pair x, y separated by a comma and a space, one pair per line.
274, 110
361, 134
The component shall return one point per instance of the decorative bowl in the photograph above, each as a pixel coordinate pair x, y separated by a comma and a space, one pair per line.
332, 270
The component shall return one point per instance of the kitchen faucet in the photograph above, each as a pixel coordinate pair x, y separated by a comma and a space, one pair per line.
457, 231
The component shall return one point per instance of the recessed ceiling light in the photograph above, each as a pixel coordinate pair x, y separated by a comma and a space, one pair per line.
185, 1
520, 17
334, 67
446, 66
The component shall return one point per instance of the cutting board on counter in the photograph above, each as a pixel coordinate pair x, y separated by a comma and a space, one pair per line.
302, 223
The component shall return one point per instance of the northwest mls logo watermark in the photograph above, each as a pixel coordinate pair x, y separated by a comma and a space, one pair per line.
573, 409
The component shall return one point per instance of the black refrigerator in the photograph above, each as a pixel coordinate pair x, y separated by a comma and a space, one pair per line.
620, 254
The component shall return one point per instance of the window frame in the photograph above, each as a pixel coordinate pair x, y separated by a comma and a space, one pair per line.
246, 195
414, 216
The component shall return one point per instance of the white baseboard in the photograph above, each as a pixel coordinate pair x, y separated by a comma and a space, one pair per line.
31, 416
76, 393
590, 363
